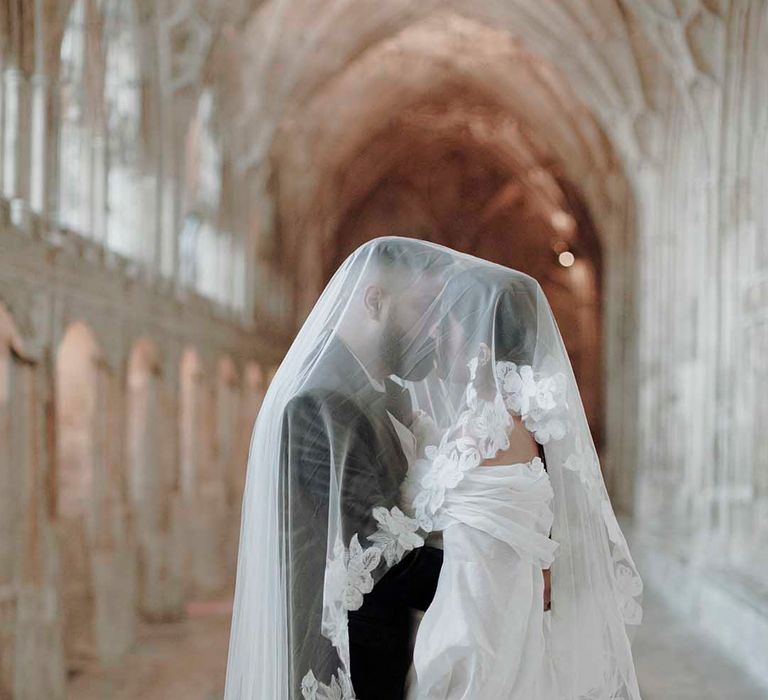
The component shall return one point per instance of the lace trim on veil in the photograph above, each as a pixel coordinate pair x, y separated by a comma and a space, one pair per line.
481, 431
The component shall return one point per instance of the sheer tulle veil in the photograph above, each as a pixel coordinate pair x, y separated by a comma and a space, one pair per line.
472, 341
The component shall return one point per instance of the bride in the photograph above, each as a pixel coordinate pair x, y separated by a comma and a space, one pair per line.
423, 450
483, 488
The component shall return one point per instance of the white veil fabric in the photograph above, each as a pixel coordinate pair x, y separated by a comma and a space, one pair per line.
411, 372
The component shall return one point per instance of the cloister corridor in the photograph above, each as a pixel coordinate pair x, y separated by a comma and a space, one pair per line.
179, 179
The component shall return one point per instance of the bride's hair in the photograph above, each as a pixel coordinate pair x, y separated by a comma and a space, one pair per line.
515, 327
471, 292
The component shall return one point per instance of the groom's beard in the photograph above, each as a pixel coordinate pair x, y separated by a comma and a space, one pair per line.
405, 357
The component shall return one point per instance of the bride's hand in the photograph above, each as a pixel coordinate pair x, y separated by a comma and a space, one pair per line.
547, 589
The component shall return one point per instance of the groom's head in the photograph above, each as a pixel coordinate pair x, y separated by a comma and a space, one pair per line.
392, 312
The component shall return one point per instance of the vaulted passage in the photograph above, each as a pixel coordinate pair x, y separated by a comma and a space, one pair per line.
179, 180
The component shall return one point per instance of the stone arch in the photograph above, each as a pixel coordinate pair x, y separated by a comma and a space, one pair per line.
90, 504
79, 479
77, 361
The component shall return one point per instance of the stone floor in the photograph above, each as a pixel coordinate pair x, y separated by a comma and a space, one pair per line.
187, 660
675, 662
182, 660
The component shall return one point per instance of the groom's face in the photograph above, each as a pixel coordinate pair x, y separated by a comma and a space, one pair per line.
407, 342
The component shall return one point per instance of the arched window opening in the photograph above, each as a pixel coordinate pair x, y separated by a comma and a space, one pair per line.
211, 253
102, 190
128, 232
76, 479
76, 128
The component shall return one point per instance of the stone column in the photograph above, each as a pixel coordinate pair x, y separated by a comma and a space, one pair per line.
144, 487
210, 508
9, 515
114, 547
172, 527
39, 658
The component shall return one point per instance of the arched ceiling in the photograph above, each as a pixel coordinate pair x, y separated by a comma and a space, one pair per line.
339, 94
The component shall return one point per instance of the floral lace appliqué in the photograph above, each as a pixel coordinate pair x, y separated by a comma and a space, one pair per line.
628, 584
538, 399
396, 534
628, 587
448, 462
348, 577
482, 430
340, 687
348, 574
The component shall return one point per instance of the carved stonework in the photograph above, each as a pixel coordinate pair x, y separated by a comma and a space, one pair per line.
187, 40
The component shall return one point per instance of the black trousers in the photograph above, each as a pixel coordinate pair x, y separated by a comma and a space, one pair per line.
379, 674
379, 632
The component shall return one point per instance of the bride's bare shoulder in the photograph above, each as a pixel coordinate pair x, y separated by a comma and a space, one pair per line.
522, 446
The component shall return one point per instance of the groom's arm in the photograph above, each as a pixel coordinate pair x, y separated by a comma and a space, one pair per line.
330, 440
328, 433
413, 581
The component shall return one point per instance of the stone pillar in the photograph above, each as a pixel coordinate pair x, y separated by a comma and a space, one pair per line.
144, 484
210, 503
114, 547
39, 659
9, 518
191, 407
158, 515
228, 421
31, 652
252, 396
172, 527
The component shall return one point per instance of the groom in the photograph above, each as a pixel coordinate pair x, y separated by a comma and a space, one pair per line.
347, 429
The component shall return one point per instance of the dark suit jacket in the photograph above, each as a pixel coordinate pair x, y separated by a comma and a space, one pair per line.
336, 431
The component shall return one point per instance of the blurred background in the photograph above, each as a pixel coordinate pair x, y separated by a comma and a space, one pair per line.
179, 179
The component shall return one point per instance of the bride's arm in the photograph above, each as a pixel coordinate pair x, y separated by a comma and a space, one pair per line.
523, 447
547, 572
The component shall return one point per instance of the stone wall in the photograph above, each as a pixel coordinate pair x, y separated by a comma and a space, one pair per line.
74, 583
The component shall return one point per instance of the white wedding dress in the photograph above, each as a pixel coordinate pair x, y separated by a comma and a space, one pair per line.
485, 634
